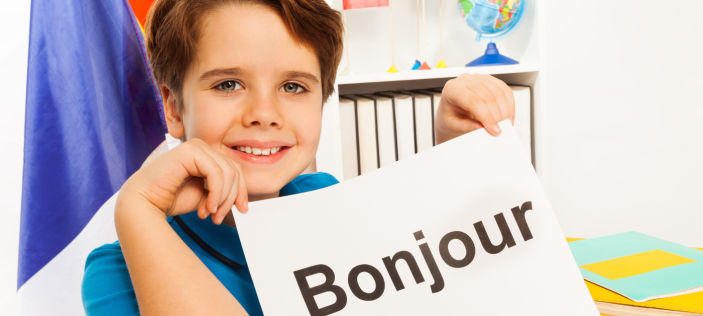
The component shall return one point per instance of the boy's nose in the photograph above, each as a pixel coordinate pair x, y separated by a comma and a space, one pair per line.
263, 111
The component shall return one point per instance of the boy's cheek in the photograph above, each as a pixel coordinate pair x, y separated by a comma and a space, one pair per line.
309, 138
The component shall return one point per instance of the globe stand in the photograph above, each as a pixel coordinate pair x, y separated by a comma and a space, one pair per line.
492, 58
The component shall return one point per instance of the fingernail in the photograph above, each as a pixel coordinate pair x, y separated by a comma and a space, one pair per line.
220, 220
496, 128
246, 205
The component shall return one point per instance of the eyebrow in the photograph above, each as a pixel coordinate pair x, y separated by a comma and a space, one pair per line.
302, 75
236, 71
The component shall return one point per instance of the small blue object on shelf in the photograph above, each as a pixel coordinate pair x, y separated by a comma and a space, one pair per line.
492, 20
417, 65
492, 58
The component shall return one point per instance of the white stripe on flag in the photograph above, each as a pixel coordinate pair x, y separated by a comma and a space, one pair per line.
56, 288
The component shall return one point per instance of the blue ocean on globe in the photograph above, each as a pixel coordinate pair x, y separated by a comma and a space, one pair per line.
490, 16
492, 20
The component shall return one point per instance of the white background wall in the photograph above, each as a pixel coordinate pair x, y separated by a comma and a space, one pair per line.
14, 39
625, 110
624, 91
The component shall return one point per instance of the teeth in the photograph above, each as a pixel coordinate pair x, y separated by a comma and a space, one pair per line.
258, 151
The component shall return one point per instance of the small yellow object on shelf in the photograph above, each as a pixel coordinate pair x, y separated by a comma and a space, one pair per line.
393, 69
441, 64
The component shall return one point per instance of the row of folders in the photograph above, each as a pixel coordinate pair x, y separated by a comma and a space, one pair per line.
382, 128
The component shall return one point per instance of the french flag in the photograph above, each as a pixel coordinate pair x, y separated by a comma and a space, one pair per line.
93, 115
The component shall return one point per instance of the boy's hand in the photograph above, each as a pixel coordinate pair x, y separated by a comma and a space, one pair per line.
174, 182
470, 102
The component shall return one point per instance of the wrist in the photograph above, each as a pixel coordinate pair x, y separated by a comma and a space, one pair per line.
131, 206
442, 137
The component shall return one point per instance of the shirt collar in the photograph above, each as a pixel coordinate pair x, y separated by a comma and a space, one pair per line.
289, 189
223, 238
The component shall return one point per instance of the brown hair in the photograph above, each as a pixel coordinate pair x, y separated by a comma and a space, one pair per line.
172, 31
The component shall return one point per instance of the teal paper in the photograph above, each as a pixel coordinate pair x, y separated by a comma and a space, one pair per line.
642, 287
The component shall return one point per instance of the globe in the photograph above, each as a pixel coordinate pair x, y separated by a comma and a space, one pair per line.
492, 20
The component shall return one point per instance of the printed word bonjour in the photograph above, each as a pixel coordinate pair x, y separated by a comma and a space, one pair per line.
389, 262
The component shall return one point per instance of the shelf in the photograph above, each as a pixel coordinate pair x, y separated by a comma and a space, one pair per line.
434, 73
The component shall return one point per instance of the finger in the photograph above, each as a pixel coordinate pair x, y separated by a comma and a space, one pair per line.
236, 191
228, 172
510, 97
489, 100
226, 206
478, 110
464, 125
205, 166
242, 200
499, 95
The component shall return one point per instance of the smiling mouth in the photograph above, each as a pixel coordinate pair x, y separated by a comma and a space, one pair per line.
259, 151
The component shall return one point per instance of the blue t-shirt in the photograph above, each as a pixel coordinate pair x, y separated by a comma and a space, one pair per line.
107, 288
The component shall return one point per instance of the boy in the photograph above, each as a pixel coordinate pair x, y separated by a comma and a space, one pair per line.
243, 82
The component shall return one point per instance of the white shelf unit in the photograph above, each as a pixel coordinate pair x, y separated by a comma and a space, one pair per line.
523, 45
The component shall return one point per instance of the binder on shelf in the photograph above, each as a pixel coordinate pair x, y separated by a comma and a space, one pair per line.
349, 135
405, 123
384, 127
424, 120
436, 98
387, 145
368, 133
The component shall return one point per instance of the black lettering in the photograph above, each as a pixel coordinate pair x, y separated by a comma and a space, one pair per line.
328, 286
431, 264
504, 230
377, 278
393, 271
519, 215
468, 244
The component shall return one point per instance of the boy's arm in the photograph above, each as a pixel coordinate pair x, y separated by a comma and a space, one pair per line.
470, 102
168, 278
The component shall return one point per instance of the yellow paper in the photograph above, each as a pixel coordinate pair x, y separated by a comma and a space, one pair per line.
686, 303
628, 266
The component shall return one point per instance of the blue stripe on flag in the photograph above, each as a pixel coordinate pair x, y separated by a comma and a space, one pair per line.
93, 115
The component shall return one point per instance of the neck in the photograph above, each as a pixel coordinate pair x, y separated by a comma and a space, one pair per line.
229, 218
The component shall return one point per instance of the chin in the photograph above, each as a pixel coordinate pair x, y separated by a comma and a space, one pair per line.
265, 184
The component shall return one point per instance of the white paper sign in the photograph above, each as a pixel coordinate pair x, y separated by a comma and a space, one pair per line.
461, 229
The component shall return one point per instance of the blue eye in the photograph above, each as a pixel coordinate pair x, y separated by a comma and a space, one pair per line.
230, 85
291, 87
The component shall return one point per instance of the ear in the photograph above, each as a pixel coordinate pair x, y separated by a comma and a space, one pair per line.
174, 120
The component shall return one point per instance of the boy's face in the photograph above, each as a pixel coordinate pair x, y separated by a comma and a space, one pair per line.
252, 91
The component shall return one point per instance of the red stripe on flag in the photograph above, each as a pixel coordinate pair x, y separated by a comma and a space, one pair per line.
360, 4
141, 8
